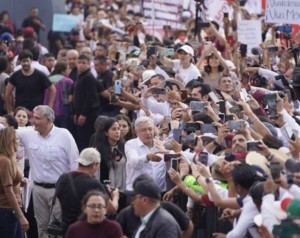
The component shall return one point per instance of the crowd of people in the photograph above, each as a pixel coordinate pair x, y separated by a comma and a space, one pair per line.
110, 131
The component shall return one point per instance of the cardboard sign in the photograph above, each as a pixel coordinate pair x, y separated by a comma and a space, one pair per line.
283, 11
249, 33
64, 22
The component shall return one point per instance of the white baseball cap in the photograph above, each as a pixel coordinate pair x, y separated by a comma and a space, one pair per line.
147, 75
89, 156
187, 49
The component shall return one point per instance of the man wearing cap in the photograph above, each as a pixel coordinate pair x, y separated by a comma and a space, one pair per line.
184, 68
155, 221
71, 187
51, 151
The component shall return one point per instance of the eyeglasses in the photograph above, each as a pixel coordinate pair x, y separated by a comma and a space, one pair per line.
96, 206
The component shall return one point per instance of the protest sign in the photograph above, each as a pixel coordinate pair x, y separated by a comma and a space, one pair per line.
163, 12
283, 11
249, 33
64, 22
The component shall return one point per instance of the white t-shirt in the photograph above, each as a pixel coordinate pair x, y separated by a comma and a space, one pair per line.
188, 74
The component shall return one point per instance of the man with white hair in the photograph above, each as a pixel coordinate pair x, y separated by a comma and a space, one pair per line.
142, 157
52, 151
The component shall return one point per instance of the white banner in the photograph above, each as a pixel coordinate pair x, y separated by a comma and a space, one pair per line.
249, 33
163, 12
283, 11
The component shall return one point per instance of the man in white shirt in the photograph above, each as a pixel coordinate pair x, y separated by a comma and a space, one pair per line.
142, 157
52, 151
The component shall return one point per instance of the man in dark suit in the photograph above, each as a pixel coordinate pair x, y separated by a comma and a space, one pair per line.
155, 221
86, 102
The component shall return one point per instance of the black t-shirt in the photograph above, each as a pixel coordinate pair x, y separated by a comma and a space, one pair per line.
105, 81
30, 90
130, 222
70, 200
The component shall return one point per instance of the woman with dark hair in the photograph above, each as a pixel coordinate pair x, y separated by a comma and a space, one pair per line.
62, 84
126, 128
109, 143
93, 223
13, 223
213, 70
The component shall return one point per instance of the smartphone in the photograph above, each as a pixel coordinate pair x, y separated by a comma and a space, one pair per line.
253, 146
176, 134
167, 51
289, 132
214, 97
189, 141
113, 98
222, 116
192, 126
197, 106
245, 94
288, 93
226, 15
202, 157
118, 86
183, 94
271, 102
207, 44
158, 91
208, 128
272, 49
235, 125
175, 163
275, 170
167, 119
222, 107
169, 157
228, 118
151, 51
243, 50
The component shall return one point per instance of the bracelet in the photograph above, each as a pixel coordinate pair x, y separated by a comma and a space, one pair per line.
198, 177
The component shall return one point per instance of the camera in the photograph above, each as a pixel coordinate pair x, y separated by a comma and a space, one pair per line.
159, 91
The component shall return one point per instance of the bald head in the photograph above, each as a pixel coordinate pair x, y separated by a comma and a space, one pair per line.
72, 56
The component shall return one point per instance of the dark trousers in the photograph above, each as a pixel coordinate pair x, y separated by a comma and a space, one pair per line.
85, 131
10, 226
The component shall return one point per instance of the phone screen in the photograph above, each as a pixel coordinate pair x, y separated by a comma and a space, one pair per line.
118, 87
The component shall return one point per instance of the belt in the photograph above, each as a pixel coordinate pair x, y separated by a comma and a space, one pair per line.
45, 185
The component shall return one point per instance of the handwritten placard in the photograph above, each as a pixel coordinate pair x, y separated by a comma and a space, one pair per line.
64, 22
249, 33
283, 11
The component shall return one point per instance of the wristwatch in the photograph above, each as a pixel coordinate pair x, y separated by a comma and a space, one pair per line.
208, 179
